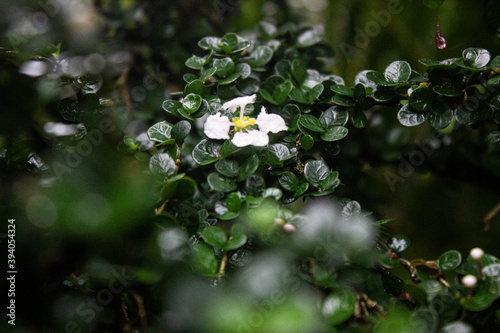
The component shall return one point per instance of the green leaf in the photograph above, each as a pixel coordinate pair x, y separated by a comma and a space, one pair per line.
276, 89
393, 285
204, 260
335, 133
315, 172
441, 116
184, 113
309, 37
465, 116
220, 183
224, 67
377, 77
261, 56
334, 116
359, 120
311, 122
244, 70
343, 101
384, 95
281, 91
179, 189
408, 117
398, 72
181, 130
303, 187
272, 192
420, 99
195, 62
434, 4
230, 39
493, 136
448, 92
162, 165
449, 261
398, 243
278, 153
230, 79
306, 142
351, 209
495, 64
160, 132
207, 74
195, 87
229, 216
210, 43
228, 168
289, 181
205, 152
299, 71
248, 167
171, 106
343, 90
339, 306
214, 236
233, 202
191, 103
331, 180
475, 57
238, 238
360, 93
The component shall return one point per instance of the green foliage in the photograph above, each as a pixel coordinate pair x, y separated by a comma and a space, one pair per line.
225, 238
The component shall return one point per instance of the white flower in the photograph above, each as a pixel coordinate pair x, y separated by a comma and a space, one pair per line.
217, 126
270, 122
240, 102
248, 131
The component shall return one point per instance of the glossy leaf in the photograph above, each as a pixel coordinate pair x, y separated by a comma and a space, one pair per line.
398, 72
476, 57
420, 99
311, 122
248, 167
204, 260
334, 116
335, 133
205, 152
339, 306
449, 260
224, 67
162, 165
289, 181
315, 172
214, 236
180, 130
408, 117
160, 132
228, 168
233, 202
441, 116
219, 183
306, 142
191, 103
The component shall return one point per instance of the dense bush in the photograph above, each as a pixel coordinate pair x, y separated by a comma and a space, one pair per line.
228, 211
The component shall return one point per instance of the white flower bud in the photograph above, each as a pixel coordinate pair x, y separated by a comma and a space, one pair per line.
289, 227
477, 253
278, 221
469, 281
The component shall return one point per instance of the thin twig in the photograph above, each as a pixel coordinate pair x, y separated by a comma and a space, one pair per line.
489, 216
223, 263
141, 309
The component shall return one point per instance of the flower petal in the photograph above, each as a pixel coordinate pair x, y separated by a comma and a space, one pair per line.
240, 102
251, 138
270, 122
217, 126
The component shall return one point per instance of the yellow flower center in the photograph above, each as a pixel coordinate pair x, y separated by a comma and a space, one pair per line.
242, 124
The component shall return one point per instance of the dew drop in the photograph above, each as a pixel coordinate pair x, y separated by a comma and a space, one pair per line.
440, 41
